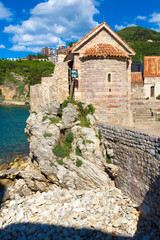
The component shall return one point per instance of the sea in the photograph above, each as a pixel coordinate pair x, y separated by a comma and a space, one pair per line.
13, 140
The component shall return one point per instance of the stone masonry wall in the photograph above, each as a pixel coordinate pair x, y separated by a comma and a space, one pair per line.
51, 88
137, 91
138, 157
110, 98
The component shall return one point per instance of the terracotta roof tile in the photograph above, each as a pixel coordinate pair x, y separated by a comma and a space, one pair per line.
104, 50
64, 51
152, 66
136, 77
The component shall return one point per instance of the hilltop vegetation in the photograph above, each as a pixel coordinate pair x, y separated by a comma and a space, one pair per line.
21, 74
137, 38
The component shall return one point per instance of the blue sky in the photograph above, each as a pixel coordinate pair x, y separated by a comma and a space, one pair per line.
27, 26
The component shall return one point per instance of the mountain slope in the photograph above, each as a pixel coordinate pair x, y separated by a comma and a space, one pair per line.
145, 42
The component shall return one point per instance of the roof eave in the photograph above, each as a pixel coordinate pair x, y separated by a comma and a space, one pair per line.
116, 36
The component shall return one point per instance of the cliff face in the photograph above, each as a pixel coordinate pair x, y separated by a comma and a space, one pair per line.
15, 88
67, 151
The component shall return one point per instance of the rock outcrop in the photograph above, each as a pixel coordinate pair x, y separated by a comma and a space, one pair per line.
66, 148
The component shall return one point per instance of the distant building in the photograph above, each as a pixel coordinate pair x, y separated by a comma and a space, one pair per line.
152, 76
53, 58
137, 67
46, 51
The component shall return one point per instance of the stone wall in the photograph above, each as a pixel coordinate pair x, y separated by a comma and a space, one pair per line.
137, 91
51, 88
138, 157
111, 99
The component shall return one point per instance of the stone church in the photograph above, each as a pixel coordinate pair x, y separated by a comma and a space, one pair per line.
103, 62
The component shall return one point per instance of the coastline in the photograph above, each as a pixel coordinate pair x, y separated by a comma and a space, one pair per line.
11, 102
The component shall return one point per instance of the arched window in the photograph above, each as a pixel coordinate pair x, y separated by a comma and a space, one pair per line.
109, 77
152, 91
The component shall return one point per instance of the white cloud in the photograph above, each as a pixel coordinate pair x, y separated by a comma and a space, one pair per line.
141, 18
5, 13
155, 18
120, 27
2, 46
53, 22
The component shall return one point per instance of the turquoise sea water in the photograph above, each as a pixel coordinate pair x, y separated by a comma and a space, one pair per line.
13, 140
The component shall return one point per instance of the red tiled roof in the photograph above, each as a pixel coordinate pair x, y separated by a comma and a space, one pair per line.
152, 66
136, 77
64, 51
104, 50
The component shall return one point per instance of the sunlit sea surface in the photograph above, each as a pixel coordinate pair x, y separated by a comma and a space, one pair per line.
13, 141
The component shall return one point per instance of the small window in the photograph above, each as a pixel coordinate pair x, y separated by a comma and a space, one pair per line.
109, 90
109, 77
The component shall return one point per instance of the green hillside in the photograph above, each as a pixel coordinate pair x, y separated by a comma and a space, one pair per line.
19, 75
137, 38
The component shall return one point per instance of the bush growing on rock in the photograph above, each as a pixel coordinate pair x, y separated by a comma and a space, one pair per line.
47, 134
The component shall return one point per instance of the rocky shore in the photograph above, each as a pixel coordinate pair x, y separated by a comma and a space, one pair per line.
65, 188
10, 102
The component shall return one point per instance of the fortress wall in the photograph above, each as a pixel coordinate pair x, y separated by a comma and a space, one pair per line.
138, 157
51, 88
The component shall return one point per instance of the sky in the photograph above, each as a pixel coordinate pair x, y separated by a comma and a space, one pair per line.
28, 26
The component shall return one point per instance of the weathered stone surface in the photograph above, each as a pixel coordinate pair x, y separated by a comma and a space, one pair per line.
51, 108
79, 170
69, 114
10, 173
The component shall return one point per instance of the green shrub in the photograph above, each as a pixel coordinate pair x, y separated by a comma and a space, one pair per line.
89, 141
158, 97
54, 120
60, 162
69, 137
35, 112
51, 164
44, 118
0, 92
108, 160
47, 134
147, 98
61, 150
78, 152
99, 135
79, 163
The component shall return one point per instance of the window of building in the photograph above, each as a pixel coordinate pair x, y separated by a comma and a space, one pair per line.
109, 77
152, 91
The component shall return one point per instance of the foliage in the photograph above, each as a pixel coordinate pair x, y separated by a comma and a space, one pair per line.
69, 137
79, 163
147, 98
54, 120
60, 162
108, 160
44, 118
137, 38
0, 92
78, 152
99, 135
47, 134
33, 71
158, 97
51, 164
35, 112
61, 150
